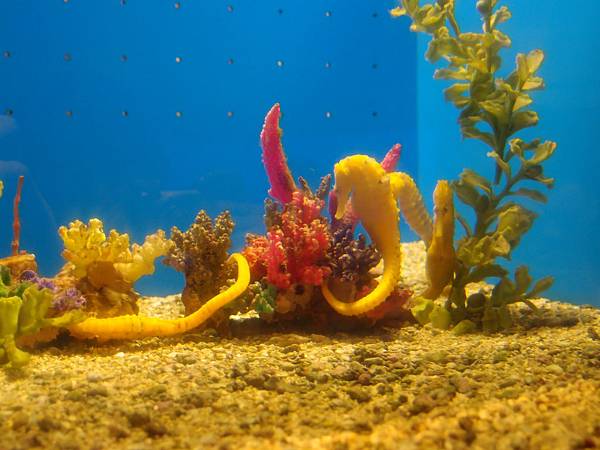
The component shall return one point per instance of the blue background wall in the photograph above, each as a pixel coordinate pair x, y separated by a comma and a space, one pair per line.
90, 92
73, 69
564, 241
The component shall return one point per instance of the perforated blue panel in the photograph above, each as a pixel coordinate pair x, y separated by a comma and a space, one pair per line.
144, 112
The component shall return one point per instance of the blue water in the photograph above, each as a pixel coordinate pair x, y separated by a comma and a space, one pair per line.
105, 122
343, 72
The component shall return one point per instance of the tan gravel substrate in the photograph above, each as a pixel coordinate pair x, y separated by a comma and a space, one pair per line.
537, 386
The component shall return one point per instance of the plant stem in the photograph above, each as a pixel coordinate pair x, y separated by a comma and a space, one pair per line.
481, 225
453, 22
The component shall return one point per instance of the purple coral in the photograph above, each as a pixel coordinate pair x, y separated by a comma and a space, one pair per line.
30, 276
351, 259
68, 300
63, 301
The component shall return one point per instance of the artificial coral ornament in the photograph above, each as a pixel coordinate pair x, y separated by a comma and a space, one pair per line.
200, 253
274, 159
294, 251
109, 266
105, 268
29, 313
135, 327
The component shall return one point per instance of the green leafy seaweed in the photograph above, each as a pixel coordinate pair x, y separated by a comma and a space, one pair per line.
493, 109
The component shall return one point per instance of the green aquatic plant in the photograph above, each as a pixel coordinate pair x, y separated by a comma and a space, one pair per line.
24, 308
493, 109
265, 296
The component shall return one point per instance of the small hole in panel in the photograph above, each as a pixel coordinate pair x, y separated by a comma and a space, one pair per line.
9, 112
230, 61
67, 57
230, 114
125, 113
229, 8
328, 114
178, 59
6, 54
124, 58
69, 113
327, 13
328, 65
178, 114
177, 5
279, 63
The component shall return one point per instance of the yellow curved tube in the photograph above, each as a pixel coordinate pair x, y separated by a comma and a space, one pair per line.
136, 327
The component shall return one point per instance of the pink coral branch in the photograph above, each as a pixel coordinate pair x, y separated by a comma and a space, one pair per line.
391, 158
274, 160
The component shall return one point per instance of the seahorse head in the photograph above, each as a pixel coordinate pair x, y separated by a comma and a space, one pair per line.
342, 188
443, 209
442, 198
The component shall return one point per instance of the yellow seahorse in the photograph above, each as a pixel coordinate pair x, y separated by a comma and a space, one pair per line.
136, 327
441, 258
374, 197
374, 203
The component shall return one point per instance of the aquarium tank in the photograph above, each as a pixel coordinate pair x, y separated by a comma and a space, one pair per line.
282, 225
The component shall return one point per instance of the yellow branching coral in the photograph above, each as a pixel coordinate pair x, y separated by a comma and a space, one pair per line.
87, 243
143, 256
105, 268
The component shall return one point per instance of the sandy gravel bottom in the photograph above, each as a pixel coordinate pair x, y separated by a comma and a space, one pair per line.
534, 387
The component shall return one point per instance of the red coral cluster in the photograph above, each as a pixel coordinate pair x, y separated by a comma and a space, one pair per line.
294, 250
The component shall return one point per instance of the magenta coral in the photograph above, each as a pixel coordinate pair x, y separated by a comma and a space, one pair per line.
274, 160
391, 159
294, 251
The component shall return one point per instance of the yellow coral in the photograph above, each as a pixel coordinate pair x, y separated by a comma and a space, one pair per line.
87, 243
143, 256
